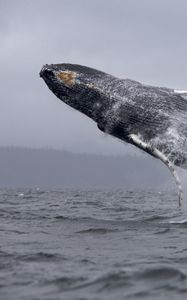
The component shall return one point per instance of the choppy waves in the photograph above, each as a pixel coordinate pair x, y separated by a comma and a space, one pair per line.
92, 245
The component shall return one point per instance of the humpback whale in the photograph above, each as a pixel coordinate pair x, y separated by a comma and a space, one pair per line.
151, 118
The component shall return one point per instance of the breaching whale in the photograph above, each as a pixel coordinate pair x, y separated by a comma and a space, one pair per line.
153, 119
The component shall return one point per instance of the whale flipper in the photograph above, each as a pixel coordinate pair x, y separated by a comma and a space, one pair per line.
158, 154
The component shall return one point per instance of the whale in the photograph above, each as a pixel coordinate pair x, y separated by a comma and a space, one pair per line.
152, 118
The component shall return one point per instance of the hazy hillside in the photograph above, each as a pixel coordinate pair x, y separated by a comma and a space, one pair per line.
22, 167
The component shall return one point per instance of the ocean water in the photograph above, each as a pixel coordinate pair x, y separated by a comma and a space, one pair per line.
62, 244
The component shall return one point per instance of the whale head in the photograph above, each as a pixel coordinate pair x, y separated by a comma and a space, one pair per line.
77, 86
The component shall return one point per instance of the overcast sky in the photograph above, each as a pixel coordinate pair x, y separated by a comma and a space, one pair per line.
145, 40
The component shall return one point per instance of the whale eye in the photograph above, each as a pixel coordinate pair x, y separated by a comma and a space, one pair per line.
67, 77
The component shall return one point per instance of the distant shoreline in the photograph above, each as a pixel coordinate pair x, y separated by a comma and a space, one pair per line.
44, 167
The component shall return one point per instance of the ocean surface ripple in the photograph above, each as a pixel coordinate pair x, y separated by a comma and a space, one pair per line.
78, 245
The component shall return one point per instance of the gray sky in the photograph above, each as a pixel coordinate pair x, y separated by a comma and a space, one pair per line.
145, 40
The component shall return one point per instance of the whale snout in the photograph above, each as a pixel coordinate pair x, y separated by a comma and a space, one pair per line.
58, 73
59, 80
46, 71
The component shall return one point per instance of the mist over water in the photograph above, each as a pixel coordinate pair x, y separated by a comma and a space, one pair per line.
76, 244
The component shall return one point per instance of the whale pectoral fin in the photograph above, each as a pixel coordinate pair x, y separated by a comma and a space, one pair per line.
140, 144
158, 154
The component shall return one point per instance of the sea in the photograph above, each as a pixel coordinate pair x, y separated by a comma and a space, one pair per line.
92, 245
